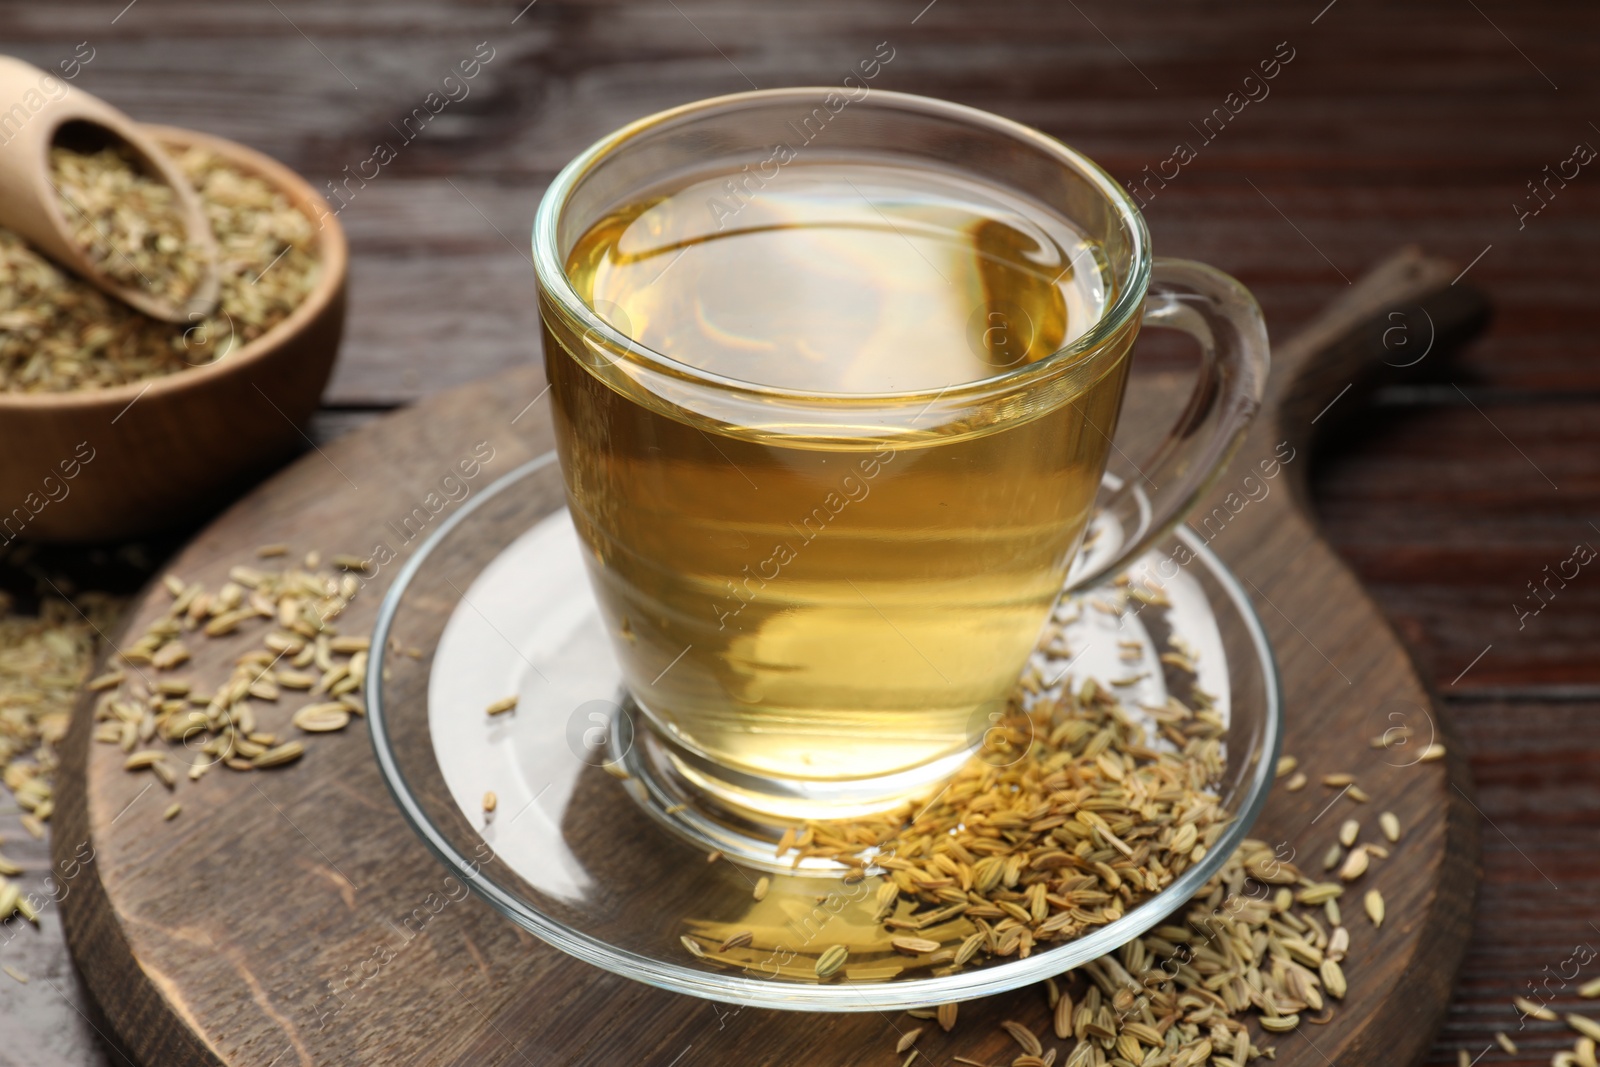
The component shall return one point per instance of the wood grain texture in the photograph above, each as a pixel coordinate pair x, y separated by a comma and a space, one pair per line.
219, 937
1398, 120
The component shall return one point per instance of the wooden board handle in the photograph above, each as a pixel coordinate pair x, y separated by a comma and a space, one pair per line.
1405, 311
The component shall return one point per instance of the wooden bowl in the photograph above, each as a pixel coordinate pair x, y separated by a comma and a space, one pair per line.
115, 463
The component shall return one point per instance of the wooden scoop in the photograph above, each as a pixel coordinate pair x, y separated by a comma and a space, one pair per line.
36, 109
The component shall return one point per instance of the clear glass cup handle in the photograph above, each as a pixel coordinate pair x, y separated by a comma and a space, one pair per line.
1224, 318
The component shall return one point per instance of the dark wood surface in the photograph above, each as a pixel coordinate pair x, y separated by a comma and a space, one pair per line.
225, 954
1402, 121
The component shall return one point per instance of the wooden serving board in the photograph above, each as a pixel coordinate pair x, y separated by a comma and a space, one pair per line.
220, 937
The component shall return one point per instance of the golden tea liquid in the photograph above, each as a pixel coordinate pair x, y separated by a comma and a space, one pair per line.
843, 595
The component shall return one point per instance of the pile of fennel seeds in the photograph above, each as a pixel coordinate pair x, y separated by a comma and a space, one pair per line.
1077, 808
298, 671
44, 659
1243, 950
146, 702
1262, 941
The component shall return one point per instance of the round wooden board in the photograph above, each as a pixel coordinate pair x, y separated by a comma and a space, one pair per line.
266, 924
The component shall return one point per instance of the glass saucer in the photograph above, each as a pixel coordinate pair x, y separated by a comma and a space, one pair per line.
592, 848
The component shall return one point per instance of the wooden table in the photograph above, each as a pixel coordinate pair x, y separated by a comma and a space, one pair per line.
1402, 122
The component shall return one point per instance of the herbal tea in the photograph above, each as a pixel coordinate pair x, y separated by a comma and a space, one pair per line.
840, 278
840, 598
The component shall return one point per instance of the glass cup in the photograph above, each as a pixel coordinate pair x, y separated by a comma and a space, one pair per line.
821, 600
